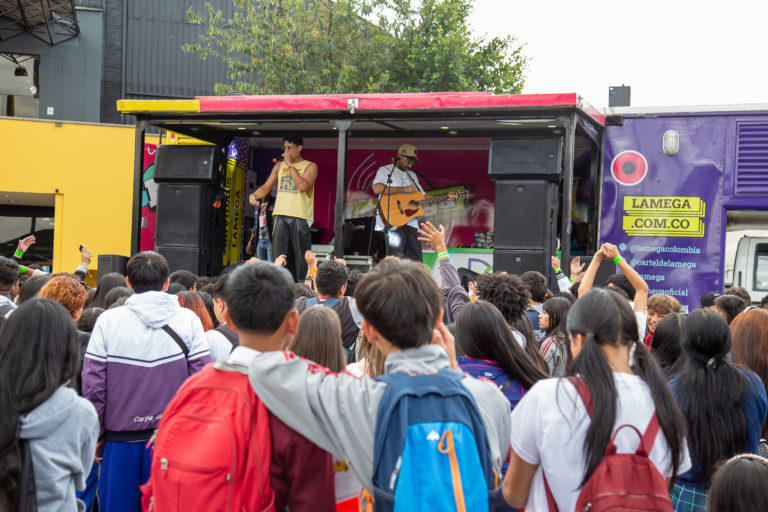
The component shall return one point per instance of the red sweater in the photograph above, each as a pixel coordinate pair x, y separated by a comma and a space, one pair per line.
302, 474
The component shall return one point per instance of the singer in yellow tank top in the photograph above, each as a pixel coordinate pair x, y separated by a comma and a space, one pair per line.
294, 205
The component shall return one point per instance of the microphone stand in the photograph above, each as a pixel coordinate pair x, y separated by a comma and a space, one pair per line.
387, 225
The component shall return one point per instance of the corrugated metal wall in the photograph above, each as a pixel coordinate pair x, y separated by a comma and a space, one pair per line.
112, 60
155, 64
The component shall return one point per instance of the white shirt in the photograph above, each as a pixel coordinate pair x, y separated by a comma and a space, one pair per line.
550, 423
399, 178
218, 344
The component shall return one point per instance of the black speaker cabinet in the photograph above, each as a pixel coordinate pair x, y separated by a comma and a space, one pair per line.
528, 157
202, 261
108, 263
187, 215
198, 164
524, 217
519, 261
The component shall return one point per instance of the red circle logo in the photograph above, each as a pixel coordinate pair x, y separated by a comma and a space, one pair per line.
629, 168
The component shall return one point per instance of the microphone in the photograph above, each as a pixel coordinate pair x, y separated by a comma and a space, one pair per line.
279, 159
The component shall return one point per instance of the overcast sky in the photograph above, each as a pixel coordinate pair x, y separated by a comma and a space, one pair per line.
672, 52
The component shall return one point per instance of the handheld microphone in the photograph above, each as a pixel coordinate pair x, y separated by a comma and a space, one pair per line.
278, 159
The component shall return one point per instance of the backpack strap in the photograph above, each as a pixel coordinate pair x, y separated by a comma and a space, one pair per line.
649, 437
173, 334
27, 500
583, 390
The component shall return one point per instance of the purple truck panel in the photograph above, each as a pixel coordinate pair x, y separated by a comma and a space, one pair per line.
665, 213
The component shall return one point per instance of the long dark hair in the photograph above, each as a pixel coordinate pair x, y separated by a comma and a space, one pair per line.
667, 350
106, 283
710, 391
38, 354
604, 318
318, 338
483, 333
557, 309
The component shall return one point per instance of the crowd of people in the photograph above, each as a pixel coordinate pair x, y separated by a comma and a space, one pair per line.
247, 391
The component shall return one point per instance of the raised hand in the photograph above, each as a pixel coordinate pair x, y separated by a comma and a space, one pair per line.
576, 266
555, 263
433, 236
281, 260
25, 243
311, 259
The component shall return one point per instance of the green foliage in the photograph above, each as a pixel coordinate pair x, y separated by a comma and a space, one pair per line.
355, 46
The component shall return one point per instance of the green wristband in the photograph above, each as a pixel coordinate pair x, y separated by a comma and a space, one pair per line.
617, 259
22, 269
442, 255
558, 270
18, 253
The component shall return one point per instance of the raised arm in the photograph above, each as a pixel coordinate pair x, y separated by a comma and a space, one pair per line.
264, 190
589, 275
304, 182
637, 282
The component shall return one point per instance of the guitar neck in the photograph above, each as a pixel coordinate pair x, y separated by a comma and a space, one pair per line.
439, 199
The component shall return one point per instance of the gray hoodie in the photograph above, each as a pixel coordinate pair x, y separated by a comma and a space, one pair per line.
62, 434
337, 412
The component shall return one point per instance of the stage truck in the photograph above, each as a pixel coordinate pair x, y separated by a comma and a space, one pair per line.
537, 175
685, 197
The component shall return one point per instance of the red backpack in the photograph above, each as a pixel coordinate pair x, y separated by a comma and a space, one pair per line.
212, 448
622, 481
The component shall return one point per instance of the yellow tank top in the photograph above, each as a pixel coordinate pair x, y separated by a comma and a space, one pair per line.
290, 202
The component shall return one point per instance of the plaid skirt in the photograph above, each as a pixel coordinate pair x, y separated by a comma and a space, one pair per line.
689, 498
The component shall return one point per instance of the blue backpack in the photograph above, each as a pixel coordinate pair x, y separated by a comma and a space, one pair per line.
430, 447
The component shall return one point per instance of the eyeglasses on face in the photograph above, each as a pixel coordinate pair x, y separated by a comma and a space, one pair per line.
287, 148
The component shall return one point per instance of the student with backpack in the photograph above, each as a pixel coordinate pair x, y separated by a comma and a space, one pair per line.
458, 426
331, 281
724, 405
138, 356
217, 447
47, 433
490, 351
566, 432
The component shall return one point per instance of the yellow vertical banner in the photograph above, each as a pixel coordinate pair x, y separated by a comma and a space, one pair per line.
235, 194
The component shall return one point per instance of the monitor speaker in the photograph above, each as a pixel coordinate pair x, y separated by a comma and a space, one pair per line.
180, 163
190, 215
526, 157
527, 219
519, 261
201, 261
108, 263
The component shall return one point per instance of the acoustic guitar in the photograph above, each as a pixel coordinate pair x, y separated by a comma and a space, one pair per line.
405, 206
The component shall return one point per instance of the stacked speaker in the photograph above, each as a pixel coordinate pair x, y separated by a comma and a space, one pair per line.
191, 223
527, 173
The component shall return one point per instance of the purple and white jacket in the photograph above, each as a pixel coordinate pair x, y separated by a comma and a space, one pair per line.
132, 367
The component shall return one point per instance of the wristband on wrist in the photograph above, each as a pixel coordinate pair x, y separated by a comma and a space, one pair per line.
22, 269
442, 255
617, 259
312, 271
558, 270
19, 253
